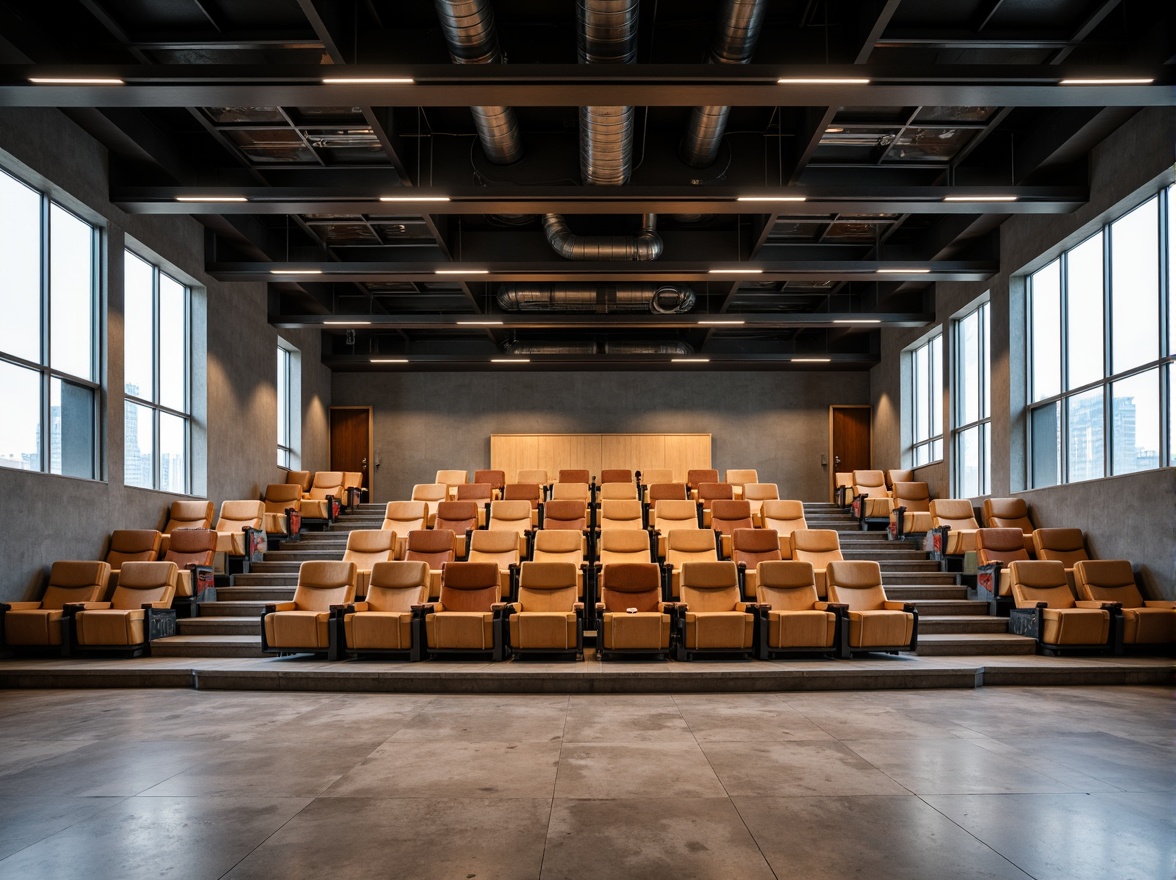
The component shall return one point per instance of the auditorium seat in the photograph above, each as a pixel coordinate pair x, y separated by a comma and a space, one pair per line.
403, 517
467, 618
547, 616
240, 532
656, 492
481, 494
563, 545
366, 547
194, 553
620, 546
38, 624
353, 490
995, 549
843, 488
896, 475
630, 616
649, 476
875, 623
537, 476
708, 494
695, 477
616, 492
303, 625
785, 516
139, 611
684, 546
495, 479
750, 547
302, 479
871, 502
668, 515
132, 545
818, 547
432, 494
727, 515
1112, 580
451, 479
434, 547
532, 493
791, 617
501, 549
193, 514
565, 514
569, 475
1066, 546
1010, 513
757, 494
712, 617
953, 524
459, 517
383, 624
278, 498
512, 516
615, 475
737, 478
621, 514
1046, 610
912, 510
327, 486
571, 491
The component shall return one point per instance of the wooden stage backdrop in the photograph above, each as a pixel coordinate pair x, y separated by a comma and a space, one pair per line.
553, 452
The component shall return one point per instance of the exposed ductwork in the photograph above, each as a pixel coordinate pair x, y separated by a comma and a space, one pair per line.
661, 299
738, 30
469, 31
645, 245
607, 35
541, 348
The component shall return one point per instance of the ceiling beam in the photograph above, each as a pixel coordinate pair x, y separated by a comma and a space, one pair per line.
615, 321
792, 361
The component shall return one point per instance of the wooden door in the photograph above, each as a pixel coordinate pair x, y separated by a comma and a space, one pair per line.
850, 446
351, 441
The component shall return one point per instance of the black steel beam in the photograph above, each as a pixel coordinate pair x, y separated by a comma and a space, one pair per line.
730, 322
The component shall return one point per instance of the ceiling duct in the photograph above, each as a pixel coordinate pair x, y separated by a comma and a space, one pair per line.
601, 299
469, 31
645, 245
541, 348
738, 29
607, 35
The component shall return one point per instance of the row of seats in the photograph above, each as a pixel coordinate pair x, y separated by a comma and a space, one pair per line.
472, 617
452, 479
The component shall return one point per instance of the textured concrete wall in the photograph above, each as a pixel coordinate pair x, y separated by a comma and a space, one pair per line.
774, 422
234, 404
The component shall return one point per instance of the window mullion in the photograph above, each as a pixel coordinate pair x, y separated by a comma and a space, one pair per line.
1108, 353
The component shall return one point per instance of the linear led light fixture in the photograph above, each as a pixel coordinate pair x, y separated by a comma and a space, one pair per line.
770, 198
217, 199
296, 271
347, 323
857, 321
734, 271
719, 323
510, 360
903, 271
389, 360
368, 80
479, 323
689, 360
414, 198
810, 360
823, 81
76, 81
979, 198
461, 272
1107, 81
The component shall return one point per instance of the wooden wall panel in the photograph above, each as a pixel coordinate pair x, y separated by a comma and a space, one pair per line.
680, 452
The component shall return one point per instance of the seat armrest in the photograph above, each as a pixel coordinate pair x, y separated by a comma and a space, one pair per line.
747, 607
160, 605
280, 606
838, 608
1113, 607
500, 606
75, 607
340, 610
511, 607
1159, 603
899, 606
356, 607
578, 607
19, 606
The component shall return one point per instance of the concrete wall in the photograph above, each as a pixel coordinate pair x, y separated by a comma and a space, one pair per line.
234, 407
774, 422
1131, 516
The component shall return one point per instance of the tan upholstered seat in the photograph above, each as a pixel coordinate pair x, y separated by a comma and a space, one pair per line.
708, 494
467, 618
785, 516
656, 492
715, 618
194, 553
756, 494
435, 547
1047, 611
687, 545
1010, 513
876, 503
133, 545
502, 549
564, 514
384, 622
795, 621
914, 499
537, 476
616, 492
304, 624
995, 549
843, 488
139, 610
235, 517
563, 545
512, 516
630, 616
750, 547
573, 475
38, 624
278, 498
615, 475
652, 476
403, 517
1066, 546
571, 491
461, 518
316, 504
899, 475
300, 478
727, 516
875, 624
695, 477
495, 479
191, 514
482, 494
621, 514
1112, 580
353, 490
451, 479
818, 547
620, 546
547, 617
958, 516
432, 494
366, 547
668, 515
532, 493
740, 477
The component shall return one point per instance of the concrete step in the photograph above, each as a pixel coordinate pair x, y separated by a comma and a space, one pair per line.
219, 626
940, 578
260, 593
917, 592
277, 579
304, 555
911, 565
231, 608
877, 555
949, 607
962, 623
268, 567
959, 644
207, 646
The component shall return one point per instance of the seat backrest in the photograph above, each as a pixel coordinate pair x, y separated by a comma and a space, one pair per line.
895, 476
616, 491
1107, 580
1007, 513
404, 516
650, 476
457, 516
573, 475
760, 492
325, 483
452, 477
741, 476
500, 548
615, 475
786, 585
469, 586
475, 492
279, 496
236, 515
195, 514
322, 584
783, 515
914, 497
1064, 545
397, 586
708, 493
690, 545
548, 586
140, 583
666, 491
571, 490
671, 514
818, 546
534, 475
955, 513
430, 492
352, 480
191, 547
299, 478
529, 492
366, 547
856, 583
565, 514
710, 586
753, 546
559, 545
434, 546
75, 581
628, 585
512, 516
728, 515
842, 478
1000, 545
1041, 580
695, 477
620, 514
869, 483
623, 545
494, 479
134, 545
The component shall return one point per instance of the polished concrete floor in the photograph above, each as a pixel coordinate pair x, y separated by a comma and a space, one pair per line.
1069, 783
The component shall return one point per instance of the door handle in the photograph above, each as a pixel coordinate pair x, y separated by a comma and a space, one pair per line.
836, 460
364, 468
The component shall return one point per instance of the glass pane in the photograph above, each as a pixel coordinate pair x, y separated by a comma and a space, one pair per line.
968, 394
173, 344
138, 327
173, 453
138, 446
20, 429
1086, 438
283, 401
71, 294
922, 454
936, 403
1046, 460
1084, 317
986, 460
968, 466
1135, 285
937, 449
1045, 320
1171, 279
20, 255
1135, 421
71, 429
1172, 416
919, 394
985, 366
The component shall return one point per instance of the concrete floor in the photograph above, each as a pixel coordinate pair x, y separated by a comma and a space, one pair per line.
1066, 783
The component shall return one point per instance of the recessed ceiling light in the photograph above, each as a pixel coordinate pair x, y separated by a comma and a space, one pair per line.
347, 323
461, 272
689, 360
979, 198
810, 360
211, 199
770, 198
414, 198
717, 323
368, 80
911, 271
1107, 81
735, 271
510, 360
834, 130
822, 81
479, 323
389, 360
296, 271
857, 321
76, 81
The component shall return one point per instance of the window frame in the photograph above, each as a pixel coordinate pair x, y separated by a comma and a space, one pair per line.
933, 342
983, 391
288, 456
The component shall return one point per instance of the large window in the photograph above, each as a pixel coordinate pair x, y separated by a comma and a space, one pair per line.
48, 335
972, 436
289, 428
1101, 351
926, 400
157, 429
